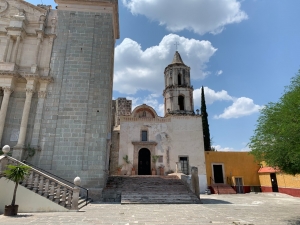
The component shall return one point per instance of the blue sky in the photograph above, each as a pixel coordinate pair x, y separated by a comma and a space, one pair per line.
242, 52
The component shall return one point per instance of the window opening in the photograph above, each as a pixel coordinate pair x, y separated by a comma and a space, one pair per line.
181, 102
184, 165
179, 79
144, 135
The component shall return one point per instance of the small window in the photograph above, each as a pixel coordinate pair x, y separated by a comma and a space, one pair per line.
144, 135
160, 159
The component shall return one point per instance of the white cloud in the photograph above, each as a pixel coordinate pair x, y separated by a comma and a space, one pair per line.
219, 72
136, 69
151, 100
199, 16
211, 96
241, 107
219, 148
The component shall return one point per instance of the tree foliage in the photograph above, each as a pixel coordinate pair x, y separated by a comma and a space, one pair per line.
205, 126
16, 174
276, 139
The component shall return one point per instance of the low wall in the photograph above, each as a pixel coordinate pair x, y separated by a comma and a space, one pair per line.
27, 200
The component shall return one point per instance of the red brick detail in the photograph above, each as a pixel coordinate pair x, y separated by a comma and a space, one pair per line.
266, 189
290, 191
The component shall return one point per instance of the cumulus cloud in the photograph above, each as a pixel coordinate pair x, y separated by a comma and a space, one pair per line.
151, 100
219, 72
136, 69
241, 107
211, 96
199, 16
219, 148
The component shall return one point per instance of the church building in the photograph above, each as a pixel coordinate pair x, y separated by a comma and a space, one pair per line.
56, 78
149, 142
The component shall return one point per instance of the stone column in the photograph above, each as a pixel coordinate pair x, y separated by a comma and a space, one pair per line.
7, 91
38, 44
15, 52
8, 54
38, 118
18, 149
6, 48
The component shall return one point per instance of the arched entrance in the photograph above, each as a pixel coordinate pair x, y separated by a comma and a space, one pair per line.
144, 163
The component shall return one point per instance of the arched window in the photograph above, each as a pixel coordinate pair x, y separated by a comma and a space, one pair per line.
179, 79
181, 102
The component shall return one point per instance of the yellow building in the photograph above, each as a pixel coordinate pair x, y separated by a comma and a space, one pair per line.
244, 174
237, 169
272, 180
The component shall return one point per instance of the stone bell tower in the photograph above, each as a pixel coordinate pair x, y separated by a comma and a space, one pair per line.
178, 93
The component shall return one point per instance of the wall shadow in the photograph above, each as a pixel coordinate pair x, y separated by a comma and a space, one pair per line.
213, 201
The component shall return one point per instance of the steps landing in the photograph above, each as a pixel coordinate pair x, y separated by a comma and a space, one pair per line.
148, 190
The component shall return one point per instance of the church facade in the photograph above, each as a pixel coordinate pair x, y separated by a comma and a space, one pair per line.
56, 77
149, 142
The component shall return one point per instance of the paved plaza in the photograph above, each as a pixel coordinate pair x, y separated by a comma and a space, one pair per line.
267, 208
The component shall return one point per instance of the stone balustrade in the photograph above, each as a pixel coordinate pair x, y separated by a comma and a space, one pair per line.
46, 185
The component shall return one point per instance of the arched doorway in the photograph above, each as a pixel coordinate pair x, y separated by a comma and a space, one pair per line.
144, 166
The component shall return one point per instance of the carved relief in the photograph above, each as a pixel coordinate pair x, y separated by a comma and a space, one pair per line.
3, 6
42, 94
7, 90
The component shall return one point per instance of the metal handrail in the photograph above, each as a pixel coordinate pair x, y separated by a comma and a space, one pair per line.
214, 183
87, 190
229, 181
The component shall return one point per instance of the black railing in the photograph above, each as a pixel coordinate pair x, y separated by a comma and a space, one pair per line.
229, 181
214, 183
45, 171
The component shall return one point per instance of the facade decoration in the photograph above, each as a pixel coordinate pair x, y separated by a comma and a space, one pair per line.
175, 139
56, 85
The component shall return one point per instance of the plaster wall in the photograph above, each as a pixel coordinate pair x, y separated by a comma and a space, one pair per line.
27, 200
236, 164
180, 135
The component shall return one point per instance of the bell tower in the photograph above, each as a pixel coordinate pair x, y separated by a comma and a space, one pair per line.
178, 92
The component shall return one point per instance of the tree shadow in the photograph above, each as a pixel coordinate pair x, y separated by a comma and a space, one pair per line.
293, 221
213, 201
19, 215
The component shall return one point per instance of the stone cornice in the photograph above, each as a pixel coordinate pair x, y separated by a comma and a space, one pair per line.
46, 79
101, 3
159, 119
176, 87
144, 143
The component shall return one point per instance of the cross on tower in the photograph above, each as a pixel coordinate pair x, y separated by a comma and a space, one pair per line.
176, 45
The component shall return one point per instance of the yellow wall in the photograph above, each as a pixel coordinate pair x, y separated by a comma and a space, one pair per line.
283, 180
236, 164
265, 179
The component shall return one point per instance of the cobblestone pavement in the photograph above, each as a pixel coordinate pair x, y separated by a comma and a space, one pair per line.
216, 209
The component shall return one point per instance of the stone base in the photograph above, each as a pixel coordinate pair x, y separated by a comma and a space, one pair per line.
18, 152
7, 66
95, 193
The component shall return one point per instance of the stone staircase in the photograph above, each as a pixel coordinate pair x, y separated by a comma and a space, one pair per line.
48, 187
148, 190
222, 189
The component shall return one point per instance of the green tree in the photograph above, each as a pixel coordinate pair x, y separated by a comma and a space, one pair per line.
16, 174
276, 139
205, 126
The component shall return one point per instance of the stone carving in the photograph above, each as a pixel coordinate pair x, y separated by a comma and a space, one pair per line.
42, 94
3, 5
7, 90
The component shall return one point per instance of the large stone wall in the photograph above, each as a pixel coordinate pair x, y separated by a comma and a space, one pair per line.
76, 120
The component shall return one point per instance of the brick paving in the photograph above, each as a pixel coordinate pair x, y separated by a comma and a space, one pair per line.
247, 209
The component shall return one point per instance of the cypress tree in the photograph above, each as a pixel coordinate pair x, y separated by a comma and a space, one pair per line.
205, 126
